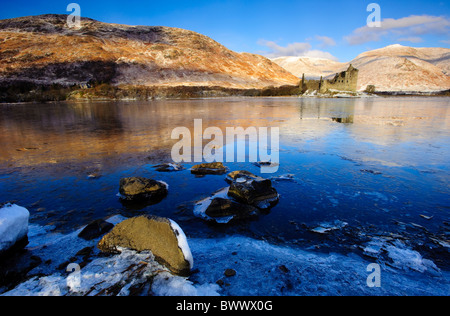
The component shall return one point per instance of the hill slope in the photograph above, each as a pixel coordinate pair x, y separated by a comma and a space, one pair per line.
43, 50
392, 69
402, 68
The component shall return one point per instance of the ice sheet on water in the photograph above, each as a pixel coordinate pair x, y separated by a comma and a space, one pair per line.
400, 255
284, 177
377, 196
261, 269
327, 227
265, 269
406, 258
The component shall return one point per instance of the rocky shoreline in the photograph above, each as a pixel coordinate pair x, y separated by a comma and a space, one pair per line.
28, 92
162, 241
151, 255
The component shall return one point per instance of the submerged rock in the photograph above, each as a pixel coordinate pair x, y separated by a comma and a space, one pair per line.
371, 171
94, 175
138, 189
284, 177
236, 174
209, 168
253, 190
169, 167
163, 237
266, 163
229, 273
327, 227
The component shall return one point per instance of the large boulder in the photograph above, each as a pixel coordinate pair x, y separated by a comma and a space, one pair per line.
13, 227
253, 190
162, 236
209, 168
142, 189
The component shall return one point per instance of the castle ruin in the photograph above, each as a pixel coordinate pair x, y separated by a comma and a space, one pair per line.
344, 81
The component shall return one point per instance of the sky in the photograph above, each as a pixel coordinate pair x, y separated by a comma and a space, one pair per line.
338, 30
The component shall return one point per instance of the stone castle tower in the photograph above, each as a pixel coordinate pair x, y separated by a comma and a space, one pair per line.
344, 81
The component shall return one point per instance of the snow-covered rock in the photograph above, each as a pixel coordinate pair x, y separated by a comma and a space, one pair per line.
13, 226
162, 236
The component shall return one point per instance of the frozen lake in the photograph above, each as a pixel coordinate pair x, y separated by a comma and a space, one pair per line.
361, 181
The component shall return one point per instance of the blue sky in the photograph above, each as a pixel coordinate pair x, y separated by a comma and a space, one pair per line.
334, 29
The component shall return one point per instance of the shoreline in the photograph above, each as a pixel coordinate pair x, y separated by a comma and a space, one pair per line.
25, 93
293, 271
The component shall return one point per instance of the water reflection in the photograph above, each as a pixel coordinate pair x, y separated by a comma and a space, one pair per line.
33, 134
327, 109
366, 162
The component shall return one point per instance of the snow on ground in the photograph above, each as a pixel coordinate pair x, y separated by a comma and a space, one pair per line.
110, 275
401, 256
262, 269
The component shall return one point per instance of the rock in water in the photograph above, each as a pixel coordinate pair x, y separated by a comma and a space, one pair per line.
237, 174
221, 207
169, 167
209, 168
230, 273
163, 237
138, 189
253, 190
13, 227
95, 229
248, 194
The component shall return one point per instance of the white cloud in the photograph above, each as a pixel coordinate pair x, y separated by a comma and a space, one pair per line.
411, 27
320, 54
412, 39
325, 41
293, 49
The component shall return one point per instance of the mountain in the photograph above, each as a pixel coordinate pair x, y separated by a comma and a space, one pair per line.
393, 68
43, 50
312, 67
403, 68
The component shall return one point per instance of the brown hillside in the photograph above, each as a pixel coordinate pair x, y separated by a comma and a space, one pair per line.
43, 50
